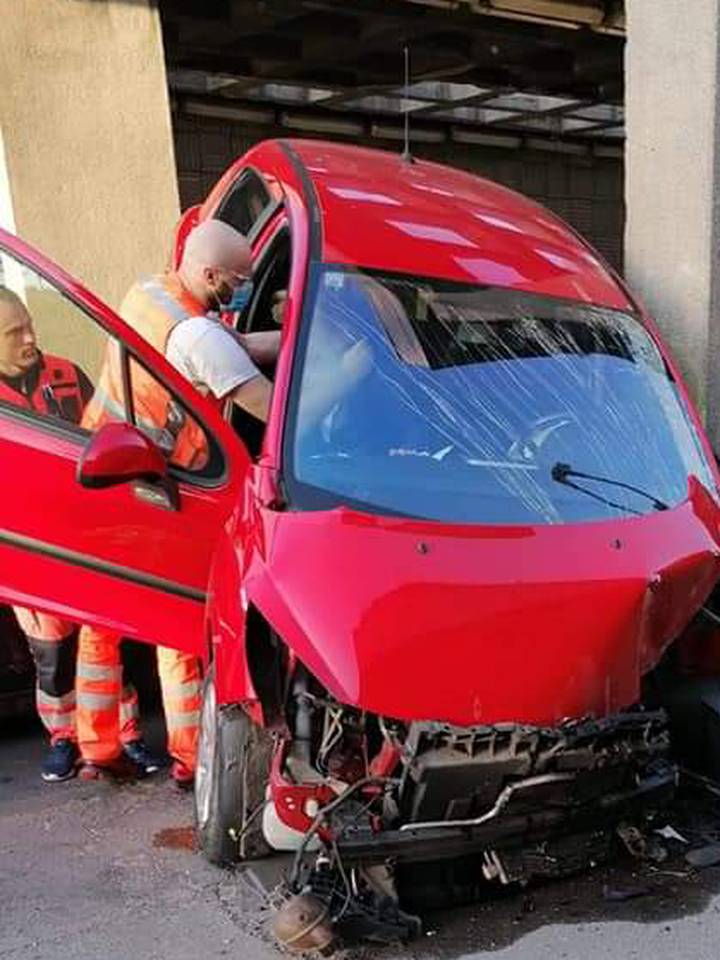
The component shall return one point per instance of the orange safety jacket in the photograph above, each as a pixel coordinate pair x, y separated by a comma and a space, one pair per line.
58, 391
153, 307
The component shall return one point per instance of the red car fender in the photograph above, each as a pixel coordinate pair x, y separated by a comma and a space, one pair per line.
226, 618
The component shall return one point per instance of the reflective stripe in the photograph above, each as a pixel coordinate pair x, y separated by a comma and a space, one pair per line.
176, 691
177, 720
46, 700
129, 709
162, 299
93, 671
56, 721
42, 626
102, 399
97, 701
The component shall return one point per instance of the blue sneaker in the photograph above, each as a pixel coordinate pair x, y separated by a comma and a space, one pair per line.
139, 753
60, 762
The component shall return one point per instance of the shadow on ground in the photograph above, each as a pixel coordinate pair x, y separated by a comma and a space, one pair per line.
624, 890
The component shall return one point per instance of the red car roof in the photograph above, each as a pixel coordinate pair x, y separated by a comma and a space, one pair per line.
423, 218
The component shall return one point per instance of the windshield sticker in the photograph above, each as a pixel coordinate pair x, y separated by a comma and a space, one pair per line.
334, 281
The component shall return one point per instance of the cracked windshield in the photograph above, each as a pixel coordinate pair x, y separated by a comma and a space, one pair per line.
451, 402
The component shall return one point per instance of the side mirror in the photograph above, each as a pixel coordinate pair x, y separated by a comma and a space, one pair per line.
119, 453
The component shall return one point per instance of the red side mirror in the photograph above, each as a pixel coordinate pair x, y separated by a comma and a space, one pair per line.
119, 453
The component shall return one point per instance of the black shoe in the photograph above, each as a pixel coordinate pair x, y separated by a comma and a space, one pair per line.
138, 752
60, 762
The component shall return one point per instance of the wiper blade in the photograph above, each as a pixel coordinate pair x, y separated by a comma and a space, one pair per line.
561, 472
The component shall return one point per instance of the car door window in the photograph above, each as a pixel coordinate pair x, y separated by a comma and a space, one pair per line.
247, 204
59, 366
160, 415
271, 277
51, 351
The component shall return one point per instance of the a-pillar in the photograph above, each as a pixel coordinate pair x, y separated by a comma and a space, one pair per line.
87, 168
673, 182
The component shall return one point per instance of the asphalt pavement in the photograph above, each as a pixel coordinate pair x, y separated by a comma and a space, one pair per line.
91, 871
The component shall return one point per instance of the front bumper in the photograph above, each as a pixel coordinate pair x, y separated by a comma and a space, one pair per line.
512, 830
502, 791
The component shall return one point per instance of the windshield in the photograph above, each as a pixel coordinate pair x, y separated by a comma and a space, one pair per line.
450, 402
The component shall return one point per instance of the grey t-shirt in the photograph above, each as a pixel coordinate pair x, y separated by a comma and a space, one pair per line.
208, 354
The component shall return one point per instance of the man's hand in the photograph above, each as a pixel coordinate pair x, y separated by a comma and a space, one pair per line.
355, 364
332, 384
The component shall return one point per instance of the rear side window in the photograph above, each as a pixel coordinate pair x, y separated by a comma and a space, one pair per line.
247, 203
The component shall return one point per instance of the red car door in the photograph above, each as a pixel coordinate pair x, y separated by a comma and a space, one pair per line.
116, 557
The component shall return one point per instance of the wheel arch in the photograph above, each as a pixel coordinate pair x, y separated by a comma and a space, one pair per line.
249, 655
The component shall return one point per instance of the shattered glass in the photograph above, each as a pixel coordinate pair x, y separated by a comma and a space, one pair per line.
454, 402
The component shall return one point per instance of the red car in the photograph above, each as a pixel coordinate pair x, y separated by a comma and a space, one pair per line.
428, 594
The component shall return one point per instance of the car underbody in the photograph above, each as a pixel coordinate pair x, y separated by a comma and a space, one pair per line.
364, 801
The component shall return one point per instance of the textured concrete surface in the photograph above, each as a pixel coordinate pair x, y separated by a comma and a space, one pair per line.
81, 874
94, 872
85, 124
671, 181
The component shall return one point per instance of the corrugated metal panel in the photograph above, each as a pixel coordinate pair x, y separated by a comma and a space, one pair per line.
587, 192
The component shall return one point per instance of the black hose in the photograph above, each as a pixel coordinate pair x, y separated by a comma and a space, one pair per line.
322, 813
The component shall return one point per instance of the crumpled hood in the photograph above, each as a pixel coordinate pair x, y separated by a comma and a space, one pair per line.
472, 625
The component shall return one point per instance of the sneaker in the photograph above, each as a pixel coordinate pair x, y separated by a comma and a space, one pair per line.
60, 762
139, 753
121, 768
183, 776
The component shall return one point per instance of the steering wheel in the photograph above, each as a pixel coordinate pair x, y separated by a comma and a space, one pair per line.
526, 449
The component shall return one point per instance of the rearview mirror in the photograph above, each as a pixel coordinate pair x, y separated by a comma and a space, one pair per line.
119, 453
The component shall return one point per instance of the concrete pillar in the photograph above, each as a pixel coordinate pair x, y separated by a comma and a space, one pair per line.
87, 169
673, 182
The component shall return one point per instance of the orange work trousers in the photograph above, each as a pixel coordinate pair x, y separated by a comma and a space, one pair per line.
53, 643
99, 691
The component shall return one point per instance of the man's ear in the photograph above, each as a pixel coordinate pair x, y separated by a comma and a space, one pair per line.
209, 275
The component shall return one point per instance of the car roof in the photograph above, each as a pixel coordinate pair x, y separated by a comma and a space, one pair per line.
381, 211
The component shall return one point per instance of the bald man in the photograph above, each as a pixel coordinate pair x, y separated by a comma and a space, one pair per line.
177, 313
216, 266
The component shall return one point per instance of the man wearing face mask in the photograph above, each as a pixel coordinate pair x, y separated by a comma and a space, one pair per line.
177, 313
216, 269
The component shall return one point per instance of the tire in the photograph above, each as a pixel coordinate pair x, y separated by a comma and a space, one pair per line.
232, 772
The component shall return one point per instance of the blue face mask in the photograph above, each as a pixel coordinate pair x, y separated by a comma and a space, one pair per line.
241, 297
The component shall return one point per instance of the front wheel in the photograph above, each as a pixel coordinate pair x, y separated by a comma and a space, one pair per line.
232, 771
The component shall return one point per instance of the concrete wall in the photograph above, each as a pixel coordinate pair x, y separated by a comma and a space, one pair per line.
672, 181
89, 169
587, 192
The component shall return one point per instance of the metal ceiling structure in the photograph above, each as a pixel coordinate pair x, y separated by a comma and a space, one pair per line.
547, 73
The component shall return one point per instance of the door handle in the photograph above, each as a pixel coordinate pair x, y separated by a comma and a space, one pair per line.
163, 494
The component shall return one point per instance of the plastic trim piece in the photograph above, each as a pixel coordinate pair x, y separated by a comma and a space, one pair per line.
101, 566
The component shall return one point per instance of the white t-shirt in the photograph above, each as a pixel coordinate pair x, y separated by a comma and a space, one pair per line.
207, 353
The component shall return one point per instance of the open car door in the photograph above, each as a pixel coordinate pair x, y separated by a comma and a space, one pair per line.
133, 553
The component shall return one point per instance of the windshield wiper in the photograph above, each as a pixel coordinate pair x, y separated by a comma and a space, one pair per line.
562, 471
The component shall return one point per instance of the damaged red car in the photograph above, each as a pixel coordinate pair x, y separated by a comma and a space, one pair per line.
430, 593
